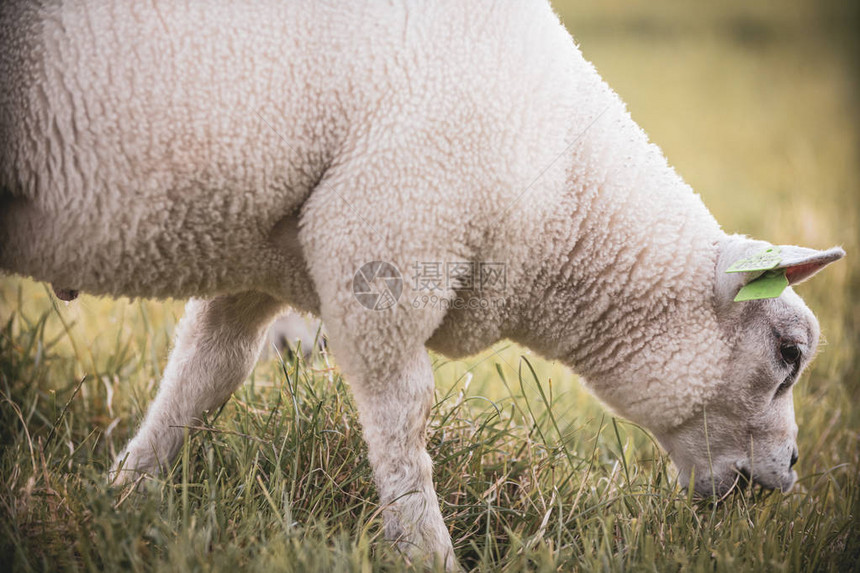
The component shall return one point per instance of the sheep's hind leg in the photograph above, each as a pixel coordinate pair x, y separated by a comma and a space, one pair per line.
216, 346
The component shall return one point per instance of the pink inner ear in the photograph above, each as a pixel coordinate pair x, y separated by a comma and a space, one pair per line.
800, 272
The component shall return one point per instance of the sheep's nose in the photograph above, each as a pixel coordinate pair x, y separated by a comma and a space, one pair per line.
794, 454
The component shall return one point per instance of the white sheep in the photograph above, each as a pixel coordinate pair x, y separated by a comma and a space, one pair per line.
257, 154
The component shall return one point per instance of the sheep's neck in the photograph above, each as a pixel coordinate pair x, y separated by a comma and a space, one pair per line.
628, 254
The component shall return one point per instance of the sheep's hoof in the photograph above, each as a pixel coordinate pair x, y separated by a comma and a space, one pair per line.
131, 467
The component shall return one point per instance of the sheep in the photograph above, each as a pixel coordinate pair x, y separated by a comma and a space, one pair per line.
338, 160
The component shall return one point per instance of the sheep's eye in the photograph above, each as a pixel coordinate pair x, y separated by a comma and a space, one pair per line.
790, 353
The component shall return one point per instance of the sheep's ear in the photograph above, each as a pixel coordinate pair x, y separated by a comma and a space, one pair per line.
750, 270
801, 263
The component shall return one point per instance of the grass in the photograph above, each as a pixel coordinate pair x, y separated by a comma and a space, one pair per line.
532, 472
537, 478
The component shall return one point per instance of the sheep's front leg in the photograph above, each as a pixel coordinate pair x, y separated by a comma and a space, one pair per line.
216, 346
394, 413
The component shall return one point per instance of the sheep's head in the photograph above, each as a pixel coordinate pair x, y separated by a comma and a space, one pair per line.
746, 429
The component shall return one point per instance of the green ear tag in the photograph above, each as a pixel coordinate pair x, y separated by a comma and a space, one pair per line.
769, 285
763, 261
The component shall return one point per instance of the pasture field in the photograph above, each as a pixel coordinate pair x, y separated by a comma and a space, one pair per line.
755, 105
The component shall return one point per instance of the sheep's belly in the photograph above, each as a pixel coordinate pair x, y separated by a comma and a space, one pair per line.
171, 250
